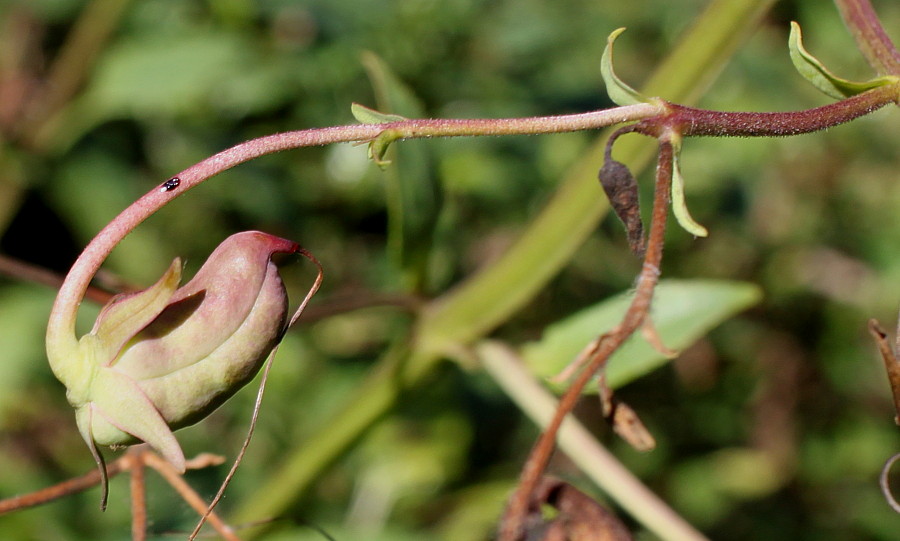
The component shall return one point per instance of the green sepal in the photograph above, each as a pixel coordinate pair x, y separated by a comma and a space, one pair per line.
813, 71
125, 315
366, 115
378, 146
679, 205
619, 92
120, 412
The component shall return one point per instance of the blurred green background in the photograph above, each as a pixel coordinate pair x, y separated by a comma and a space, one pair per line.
774, 426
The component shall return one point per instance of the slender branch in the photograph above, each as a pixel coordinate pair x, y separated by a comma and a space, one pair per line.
61, 490
583, 448
871, 38
604, 346
138, 495
92, 479
188, 494
61, 329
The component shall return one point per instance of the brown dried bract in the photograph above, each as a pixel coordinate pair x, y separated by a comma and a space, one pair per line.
622, 190
579, 517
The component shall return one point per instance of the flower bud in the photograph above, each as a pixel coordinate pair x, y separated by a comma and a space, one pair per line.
165, 357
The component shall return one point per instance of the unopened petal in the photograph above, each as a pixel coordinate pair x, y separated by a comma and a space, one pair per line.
207, 310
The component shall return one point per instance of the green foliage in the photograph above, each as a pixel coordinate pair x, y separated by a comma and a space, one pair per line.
683, 312
792, 386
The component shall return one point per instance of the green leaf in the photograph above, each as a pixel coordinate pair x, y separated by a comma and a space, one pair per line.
619, 92
414, 194
679, 205
683, 311
813, 71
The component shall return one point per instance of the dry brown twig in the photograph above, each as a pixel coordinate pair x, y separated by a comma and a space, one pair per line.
134, 461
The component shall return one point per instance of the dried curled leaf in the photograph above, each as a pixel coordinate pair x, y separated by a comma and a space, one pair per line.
813, 71
891, 363
622, 190
623, 419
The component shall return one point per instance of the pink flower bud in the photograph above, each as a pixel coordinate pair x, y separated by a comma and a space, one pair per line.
164, 358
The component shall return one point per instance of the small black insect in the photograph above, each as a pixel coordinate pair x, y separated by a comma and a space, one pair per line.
170, 184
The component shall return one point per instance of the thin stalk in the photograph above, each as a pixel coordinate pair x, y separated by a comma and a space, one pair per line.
92, 479
187, 494
138, 496
61, 490
700, 122
871, 38
512, 525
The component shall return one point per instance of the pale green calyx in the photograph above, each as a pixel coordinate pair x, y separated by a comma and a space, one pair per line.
813, 71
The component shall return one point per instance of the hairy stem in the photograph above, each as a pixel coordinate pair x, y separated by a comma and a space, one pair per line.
871, 38
690, 121
61, 330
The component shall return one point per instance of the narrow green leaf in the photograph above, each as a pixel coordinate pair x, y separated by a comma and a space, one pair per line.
619, 92
683, 311
813, 71
679, 205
